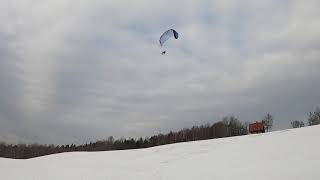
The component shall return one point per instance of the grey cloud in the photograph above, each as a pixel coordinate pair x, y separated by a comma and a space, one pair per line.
77, 72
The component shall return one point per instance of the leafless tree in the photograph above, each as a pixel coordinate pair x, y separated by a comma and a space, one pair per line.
314, 117
268, 121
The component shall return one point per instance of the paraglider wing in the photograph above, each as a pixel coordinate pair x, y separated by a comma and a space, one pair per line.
167, 35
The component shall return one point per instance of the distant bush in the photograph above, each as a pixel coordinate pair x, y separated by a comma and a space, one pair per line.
297, 124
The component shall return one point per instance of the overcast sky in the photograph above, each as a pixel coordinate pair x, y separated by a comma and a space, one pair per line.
74, 71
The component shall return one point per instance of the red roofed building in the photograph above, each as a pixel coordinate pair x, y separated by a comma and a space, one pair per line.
256, 127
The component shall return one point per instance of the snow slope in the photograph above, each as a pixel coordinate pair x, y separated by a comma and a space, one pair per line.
283, 155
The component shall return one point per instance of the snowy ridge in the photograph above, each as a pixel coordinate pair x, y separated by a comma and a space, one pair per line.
283, 155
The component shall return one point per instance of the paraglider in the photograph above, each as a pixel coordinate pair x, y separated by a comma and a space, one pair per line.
166, 36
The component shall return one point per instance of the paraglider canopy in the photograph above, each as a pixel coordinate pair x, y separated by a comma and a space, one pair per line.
167, 35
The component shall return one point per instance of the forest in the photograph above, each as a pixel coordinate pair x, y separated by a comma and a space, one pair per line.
227, 127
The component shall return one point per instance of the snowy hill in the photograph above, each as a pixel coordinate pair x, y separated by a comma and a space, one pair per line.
282, 155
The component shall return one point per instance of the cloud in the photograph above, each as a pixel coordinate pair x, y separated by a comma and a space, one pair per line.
77, 71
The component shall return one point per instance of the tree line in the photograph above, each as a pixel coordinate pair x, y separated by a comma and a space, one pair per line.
313, 119
227, 127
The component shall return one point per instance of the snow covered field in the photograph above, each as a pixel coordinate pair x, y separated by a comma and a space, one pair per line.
282, 155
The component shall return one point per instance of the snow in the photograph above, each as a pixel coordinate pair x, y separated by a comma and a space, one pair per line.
285, 155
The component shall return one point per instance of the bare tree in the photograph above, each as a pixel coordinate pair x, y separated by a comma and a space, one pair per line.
268, 121
314, 117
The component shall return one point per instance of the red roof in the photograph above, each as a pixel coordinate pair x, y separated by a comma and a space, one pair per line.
255, 127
